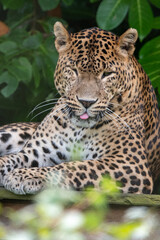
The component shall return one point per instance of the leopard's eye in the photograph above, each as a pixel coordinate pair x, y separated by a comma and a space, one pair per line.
106, 74
75, 71
71, 69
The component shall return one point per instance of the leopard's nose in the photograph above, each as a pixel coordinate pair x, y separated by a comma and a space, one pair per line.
86, 103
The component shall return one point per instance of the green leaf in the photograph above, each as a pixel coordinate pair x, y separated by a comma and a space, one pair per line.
150, 49
8, 47
155, 3
153, 71
156, 23
12, 4
33, 42
21, 69
48, 4
26, 67
93, 219
36, 75
68, 2
93, 1
111, 13
150, 60
18, 35
123, 231
11, 82
141, 17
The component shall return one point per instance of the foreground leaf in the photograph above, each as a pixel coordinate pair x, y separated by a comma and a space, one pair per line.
11, 82
8, 47
149, 57
68, 2
48, 4
141, 17
111, 13
155, 3
12, 4
124, 230
21, 69
32, 42
156, 23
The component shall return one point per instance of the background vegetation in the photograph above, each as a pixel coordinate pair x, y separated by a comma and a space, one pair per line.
28, 57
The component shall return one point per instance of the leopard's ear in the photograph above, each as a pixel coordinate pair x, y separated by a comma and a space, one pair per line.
62, 37
126, 41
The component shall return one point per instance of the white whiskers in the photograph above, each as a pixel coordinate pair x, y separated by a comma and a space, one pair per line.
42, 105
48, 109
117, 117
57, 110
120, 122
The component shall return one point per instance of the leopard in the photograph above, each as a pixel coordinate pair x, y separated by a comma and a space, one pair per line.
105, 123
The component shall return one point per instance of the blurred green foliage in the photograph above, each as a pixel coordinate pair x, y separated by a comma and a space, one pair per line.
69, 215
28, 56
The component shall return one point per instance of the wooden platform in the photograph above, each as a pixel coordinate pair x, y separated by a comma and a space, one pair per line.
123, 199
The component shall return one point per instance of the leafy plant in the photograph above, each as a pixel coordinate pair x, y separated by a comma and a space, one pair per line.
27, 62
110, 14
150, 60
23, 61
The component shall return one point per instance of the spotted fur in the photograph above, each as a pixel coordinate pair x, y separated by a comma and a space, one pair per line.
105, 122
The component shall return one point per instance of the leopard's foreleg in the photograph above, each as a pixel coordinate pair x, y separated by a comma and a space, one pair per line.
76, 175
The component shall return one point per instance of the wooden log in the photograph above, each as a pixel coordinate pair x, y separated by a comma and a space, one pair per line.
119, 199
7, 195
136, 200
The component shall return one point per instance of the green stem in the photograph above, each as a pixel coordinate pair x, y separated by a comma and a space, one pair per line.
22, 20
43, 49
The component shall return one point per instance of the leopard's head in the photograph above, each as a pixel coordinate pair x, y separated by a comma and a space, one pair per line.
95, 72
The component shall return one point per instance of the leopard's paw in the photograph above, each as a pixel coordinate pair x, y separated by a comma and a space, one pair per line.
21, 181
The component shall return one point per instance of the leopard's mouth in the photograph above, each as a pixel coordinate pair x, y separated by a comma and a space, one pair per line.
84, 116
85, 120
87, 117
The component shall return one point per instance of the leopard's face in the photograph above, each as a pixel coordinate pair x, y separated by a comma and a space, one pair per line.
92, 74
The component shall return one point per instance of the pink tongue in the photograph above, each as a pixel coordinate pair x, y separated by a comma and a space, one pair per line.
84, 116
